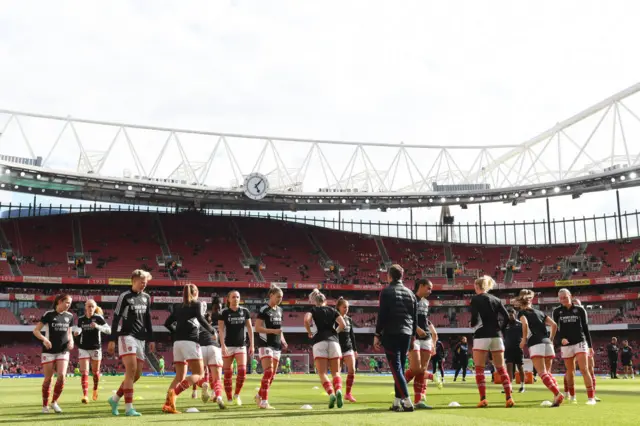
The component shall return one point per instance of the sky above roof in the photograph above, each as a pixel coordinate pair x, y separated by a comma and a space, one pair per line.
422, 72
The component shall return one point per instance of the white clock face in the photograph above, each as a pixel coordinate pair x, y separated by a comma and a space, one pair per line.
256, 186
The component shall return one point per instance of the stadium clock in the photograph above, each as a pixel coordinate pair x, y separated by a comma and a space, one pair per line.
256, 186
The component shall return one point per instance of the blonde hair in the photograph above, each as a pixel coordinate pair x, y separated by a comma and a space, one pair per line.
485, 283
141, 273
564, 290
274, 289
189, 294
525, 298
98, 310
317, 298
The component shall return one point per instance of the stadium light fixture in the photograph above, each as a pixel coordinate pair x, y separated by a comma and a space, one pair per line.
442, 200
401, 200
129, 187
471, 198
344, 201
38, 176
2, 185
117, 186
22, 174
156, 190
556, 189
623, 177
15, 187
296, 200
484, 198
353, 201
568, 187
308, 201
431, 200
457, 199
143, 189
613, 180
516, 194
29, 188
632, 175
320, 200
366, 201
43, 190
332, 200
544, 191
419, 200
7, 172
529, 193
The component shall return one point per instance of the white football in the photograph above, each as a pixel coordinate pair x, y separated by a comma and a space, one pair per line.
546, 404
454, 404
192, 410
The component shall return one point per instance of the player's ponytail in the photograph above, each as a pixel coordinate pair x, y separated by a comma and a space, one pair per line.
525, 298
317, 298
99, 311
189, 294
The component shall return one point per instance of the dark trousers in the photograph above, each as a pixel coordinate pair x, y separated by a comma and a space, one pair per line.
613, 367
461, 365
437, 365
396, 347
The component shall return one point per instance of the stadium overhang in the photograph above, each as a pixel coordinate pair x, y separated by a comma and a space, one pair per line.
39, 181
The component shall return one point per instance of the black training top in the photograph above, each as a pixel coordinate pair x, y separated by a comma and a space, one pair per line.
538, 332
347, 337
423, 321
487, 313
572, 324
324, 319
91, 338
135, 311
56, 329
234, 326
272, 318
512, 334
190, 321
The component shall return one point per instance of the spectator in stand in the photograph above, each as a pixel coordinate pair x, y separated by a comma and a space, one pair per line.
612, 354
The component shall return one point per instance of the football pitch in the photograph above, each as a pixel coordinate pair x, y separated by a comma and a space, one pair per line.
20, 403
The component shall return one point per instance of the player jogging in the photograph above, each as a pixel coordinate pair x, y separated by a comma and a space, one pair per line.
231, 326
348, 347
134, 308
326, 346
57, 341
487, 313
187, 353
626, 358
90, 329
271, 341
537, 338
423, 347
574, 335
513, 354
212, 355
591, 363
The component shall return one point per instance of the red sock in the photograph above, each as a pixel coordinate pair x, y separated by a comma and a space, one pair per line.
572, 390
549, 383
337, 383
351, 377
566, 385
84, 381
228, 382
212, 382
417, 387
428, 376
58, 388
217, 388
182, 386
265, 383
46, 391
327, 387
128, 396
591, 393
593, 380
272, 378
242, 375
195, 386
120, 392
408, 375
424, 384
202, 381
506, 381
482, 386
96, 380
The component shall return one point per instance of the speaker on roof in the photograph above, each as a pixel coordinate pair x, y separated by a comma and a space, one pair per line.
447, 220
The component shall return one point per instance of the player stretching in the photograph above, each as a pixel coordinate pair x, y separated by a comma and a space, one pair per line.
536, 336
212, 354
348, 347
134, 308
591, 363
186, 347
270, 343
326, 346
423, 347
231, 325
90, 329
573, 330
487, 313
56, 344
626, 357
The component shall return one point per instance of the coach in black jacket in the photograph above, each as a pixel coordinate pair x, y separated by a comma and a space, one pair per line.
396, 327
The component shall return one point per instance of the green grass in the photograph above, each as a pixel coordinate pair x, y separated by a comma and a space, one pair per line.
20, 404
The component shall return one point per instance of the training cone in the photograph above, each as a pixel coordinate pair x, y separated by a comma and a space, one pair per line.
192, 410
315, 388
306, 407
546, 404
454, 404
